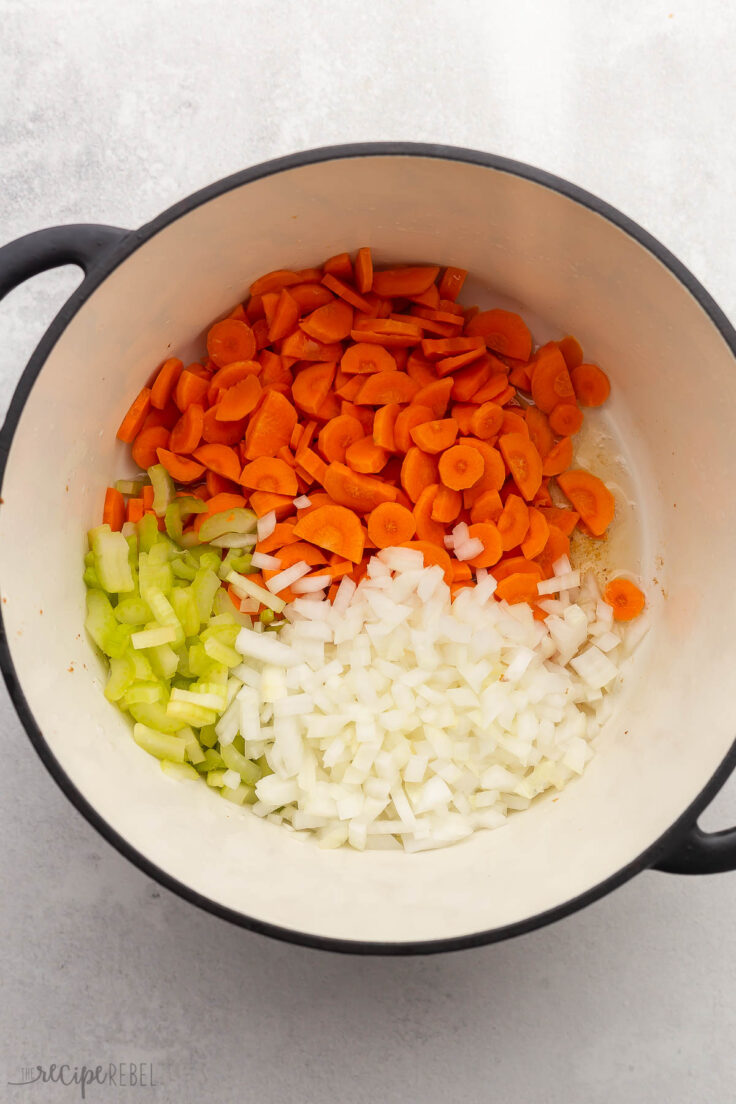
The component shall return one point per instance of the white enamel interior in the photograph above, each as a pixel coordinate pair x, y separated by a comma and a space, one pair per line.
562, 263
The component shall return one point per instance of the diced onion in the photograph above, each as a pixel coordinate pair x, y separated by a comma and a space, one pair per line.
266, 525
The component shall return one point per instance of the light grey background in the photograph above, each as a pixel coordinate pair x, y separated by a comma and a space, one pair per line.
110, 112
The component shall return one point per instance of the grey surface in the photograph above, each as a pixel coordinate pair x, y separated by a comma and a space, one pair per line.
112, 112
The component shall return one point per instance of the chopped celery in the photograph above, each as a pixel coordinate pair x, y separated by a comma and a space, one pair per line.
148, 533
155, 716
133, 611
164, 614
130, 486
199, 662
185, 607
194, 751
89, 559
238, 520
100, 620
194, 715
241, 795
224, 631
234, 540
153, 637
207, 736
91, 578
163, 488
248, 589
111, 559
221, 653
250, 772
213, 760
216, 778
160, 744
144, 692
122, 674
214, 701
164, 661
204, 588
244, 565
177, 510
209, 559
182, 570
263, 764
181, 772
153, 574
183, 669
143, 669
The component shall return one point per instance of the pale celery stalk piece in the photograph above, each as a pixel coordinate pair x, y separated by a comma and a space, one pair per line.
179, 508
133, 611
185, 607
194, 715
111, 560
216, 778
238, 520
233, 759
163, 488
100, 620
234, 540
160, 744
164, 614
221, 653
246, 588
154, 715
164, 661
180, 772
205, 587
131, 486
122, 676
146, 692
152, 638
205, 701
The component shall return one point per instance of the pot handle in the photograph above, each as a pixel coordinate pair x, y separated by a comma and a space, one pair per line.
80, 244
699, 852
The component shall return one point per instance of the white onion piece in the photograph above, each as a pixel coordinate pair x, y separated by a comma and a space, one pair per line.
262, 560
302, 502
266, 525
285, 578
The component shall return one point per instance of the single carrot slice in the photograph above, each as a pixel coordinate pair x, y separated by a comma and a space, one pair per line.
487, 507
404, 282
421, 370
435, 395
274, 281
332, 322
537, 534
383, 426
517, 588
254, 308
349, 390
284, 317
230, 375
238, 401
344, 291
187, 433
591, 384
363, 358
429, 298
361, 493
339, 265
463, 415
523, 461
385, 331
270, 426
496, 390
590, 497
132, 423
486, 532
551, 383
144, 449
461, 572
263, 502
447, 365
566, 419
134, 509
513, 422
418, 470
113, 511
337, 435
452, 282
571, 350
451, 347
409, 417
179, 468
190, 388
221, 459
513, 524
303, 347
386, 387
335, 528
433, 554
494, 470
230, 340
217, 484
559, 457
539, 430
447, 505
165, 382
504, 331
364, 270
312, 385
435, 436
390, 524
282, 535
467, 381
427, 528
461, 467
557, 546
625, 598
487, 420
312, 464
362, 413
310, 296
167, 417
366, 456
267, 474
215, 432
517, 565
564, 519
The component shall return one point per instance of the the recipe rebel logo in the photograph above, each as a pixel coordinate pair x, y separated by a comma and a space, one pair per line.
116, 1075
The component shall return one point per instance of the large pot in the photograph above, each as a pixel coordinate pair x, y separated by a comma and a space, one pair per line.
565, 257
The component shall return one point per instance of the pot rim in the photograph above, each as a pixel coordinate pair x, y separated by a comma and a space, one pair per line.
98, 272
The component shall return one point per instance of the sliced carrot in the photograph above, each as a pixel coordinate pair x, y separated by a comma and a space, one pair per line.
517, 565
523, 461
513, 524
364, 270
433, 554
390, 524
571, 350
435, 395
539, 430
144, 449
348, 391
363, 414
385, 331
363, 359
187, 433
590, 497
427, 528
384, 424
238, 401
134, 509
113, 511
537, 534
310, 296
217, 484
366, 456
557, 546
460, 466
230, 340
165, 382
468, 380
230, 375
215, 432
167, 417
513, 422
337, 435
270, 426
429, 298
487, 507
551, 383
190, 388
147, 495
335, 528
435, 436
625, 598
379, 308
274, 371
386, 387
452, 282
329, 323
461, 572
495, 390
451, 347
494, 471
520, 377
274, 281
329, 408
421, 370
179, 468
409, 417
339, 265
132, 423
268, 474
486, 532
312, 464
344, 291
312, 385
559, 457
566, 419
542, 497
282, 535
447, 365
517, 588
404, 282
303, 347
503, 331
487, 420
254, 308
361, 493
447, 505
263, 502
564, 519
463, 415
284, 317
221, 459
591, 384
418, 470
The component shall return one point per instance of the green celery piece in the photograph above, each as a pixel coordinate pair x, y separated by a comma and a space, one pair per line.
155, 716
182, 570
133, 611
163, 660
194, 751
111, 559
204, 588
226, 632
243, 565
239, 744
221, 653
89, 559
130, 486
207, 736
241, 795
153, 575
163, 488
148, 533
122, 674
200, 664
249, 771
160, 744
210, 559
91, 578
266, 616
177, 510
213, 760
100, 620
185, 607
143, 669
182, 665
263, 764
216, 778
195, 715
147, 693
238, 520
189, 540
180, 772
164, 613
